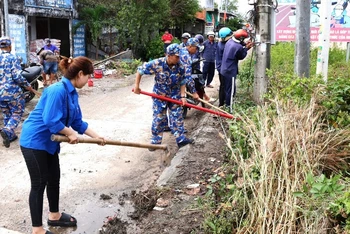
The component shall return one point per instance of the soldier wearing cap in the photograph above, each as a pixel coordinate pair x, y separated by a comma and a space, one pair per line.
186, 59
11, 94
170, 80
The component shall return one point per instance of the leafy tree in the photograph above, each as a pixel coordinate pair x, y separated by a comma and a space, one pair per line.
137, 22
235, 23
230, 5
183, 11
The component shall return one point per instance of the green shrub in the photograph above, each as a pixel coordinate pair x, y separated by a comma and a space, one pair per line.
339, 210
282, 57
155, 48
129, 67
286, 85
336, 100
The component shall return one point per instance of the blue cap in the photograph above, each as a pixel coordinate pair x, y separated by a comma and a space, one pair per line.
5, 42
193, 42
173, 49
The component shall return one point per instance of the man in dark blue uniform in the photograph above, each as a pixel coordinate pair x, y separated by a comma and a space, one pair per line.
235, 50
209, 55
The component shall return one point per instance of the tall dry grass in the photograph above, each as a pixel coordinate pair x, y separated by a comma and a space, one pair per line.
286, 146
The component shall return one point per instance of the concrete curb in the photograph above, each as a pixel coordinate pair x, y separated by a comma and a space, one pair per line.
172, 170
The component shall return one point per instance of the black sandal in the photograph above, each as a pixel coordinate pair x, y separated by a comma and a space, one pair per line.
64, 221
48, 232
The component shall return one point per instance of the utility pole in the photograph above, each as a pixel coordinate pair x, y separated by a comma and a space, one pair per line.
263, 49
302, 40
6, 17
323, 39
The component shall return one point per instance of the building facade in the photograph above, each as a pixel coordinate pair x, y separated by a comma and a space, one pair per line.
30, 22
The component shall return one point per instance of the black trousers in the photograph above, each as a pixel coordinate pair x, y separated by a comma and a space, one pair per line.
208, 71
221, 90
44, 172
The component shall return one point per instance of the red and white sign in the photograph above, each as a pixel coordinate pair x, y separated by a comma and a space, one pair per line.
340, 22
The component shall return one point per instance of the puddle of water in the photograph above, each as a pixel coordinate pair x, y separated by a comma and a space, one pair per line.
91, 217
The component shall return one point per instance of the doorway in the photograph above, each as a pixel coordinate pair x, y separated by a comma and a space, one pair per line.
54, 28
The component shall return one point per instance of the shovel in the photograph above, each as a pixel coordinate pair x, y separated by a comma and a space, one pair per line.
60, 138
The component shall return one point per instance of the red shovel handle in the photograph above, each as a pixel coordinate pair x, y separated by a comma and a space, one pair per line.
164, 98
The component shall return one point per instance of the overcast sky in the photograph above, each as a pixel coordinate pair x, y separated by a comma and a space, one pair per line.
243, 5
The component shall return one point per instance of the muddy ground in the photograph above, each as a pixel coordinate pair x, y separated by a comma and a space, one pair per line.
115, 189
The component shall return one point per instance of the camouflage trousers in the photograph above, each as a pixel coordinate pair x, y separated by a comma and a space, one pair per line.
160, 121
12, 112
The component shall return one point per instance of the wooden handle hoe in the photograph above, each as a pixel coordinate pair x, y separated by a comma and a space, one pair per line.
60, 138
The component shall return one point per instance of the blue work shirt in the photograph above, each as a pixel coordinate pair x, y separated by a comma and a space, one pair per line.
167, 79
219, 52
11, 79
233, 52
50, 116
52, 48
186, 60
209, 51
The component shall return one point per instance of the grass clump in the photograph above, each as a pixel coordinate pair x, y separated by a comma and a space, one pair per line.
277, 151
289, 158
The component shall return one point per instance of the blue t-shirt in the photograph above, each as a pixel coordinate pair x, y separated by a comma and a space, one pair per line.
51, 115
51, 47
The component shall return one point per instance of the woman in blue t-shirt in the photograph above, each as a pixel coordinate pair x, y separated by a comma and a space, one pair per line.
57, 112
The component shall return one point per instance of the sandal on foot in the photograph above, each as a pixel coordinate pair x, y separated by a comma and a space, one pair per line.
64, 221
48, 232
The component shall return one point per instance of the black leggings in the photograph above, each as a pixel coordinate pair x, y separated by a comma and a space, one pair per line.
44, 171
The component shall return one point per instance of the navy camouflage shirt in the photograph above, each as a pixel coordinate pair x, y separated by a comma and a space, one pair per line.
11, 79
167, 79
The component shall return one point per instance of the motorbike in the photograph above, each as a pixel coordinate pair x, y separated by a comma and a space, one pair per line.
199, 82
32, 74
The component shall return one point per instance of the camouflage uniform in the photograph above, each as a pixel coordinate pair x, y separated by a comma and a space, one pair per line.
186, 60
167, 83
183, 45
11, 95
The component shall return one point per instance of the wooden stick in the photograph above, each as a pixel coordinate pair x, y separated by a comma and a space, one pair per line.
209, 104
60, 138
112, 57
